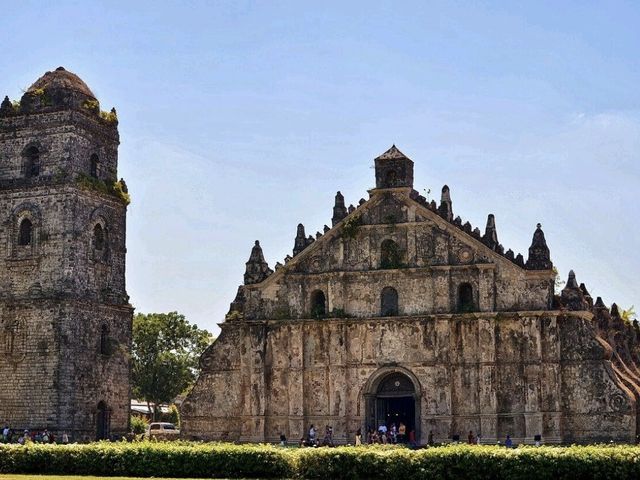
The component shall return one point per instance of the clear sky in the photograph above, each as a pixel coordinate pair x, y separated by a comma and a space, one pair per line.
239, 119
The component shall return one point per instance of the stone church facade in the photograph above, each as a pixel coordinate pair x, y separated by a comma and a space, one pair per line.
65, 317
403, 312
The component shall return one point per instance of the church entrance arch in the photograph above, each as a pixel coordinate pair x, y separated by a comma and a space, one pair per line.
392, 395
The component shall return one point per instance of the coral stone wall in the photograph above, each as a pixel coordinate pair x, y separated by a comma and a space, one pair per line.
524, 374
65, 317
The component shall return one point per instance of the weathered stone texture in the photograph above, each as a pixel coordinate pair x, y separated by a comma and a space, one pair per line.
400, 289
65, 319
477, 372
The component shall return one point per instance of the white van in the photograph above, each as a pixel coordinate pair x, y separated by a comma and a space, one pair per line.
162, 430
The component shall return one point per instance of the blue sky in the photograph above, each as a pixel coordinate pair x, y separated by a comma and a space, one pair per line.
240, 119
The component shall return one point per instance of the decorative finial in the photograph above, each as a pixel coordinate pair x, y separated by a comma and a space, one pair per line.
300, 242
257, 268
339, 210
490, 237
572, 296
614, 310
539, 255
445, 210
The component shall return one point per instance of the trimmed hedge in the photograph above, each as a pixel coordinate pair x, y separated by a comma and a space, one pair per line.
182, 459
148, 459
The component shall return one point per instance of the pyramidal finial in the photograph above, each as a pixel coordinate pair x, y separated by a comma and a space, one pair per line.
339, 210
583, 289
300, 243
6, 108
256, 253
445, 210
539, 255
614, 310
599, 303
490, 237
257, 268
572, 296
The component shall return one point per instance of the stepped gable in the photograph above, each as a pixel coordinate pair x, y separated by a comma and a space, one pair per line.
489, 240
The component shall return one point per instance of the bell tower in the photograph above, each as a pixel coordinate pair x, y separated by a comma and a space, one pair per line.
65, 317
394, 169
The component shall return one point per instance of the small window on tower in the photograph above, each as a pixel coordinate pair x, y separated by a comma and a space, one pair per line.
32, 162
25, 235
98, 237
94, 166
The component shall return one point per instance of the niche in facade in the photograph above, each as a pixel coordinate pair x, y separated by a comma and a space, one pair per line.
389, 302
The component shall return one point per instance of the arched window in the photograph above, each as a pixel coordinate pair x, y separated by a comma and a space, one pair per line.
93, 166
98, 237
32, 162
465, 298
389, 254
318, 304
25, 235
389, 302
104, 340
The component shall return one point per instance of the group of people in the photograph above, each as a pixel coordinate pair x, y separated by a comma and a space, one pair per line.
391, 434
313, 439
477, 439
386, 434
10, 435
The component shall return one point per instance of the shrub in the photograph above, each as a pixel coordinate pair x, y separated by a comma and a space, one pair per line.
138, 424
172, 416
148, 459
194, 460
350, 227
117, 189
109, 117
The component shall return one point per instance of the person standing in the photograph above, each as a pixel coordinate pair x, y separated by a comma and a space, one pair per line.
402, 432
508, 442
471, 440
65, 438
312, 436
359, 437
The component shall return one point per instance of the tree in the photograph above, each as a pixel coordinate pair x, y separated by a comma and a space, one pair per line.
557, 282
629, 314
165, 353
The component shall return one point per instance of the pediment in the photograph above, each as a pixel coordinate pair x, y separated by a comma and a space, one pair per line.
426, 239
